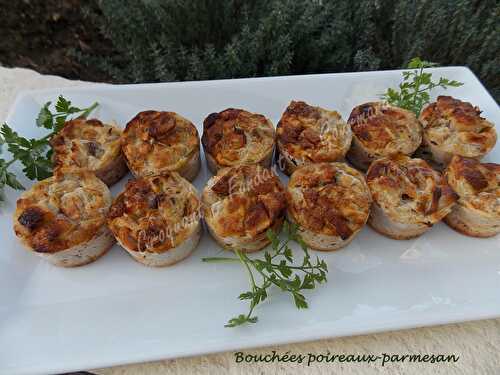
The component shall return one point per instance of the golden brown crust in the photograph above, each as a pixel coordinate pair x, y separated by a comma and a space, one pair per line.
477, 185
92, 145
62, 211
329, 198
236, 137
456, 127
156, 142
243, 201
309, 134
383, 130
409, 191
155, 213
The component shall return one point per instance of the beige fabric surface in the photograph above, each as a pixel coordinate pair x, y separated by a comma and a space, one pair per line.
477, 343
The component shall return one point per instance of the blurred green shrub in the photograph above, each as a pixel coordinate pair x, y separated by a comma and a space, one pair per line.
157, 40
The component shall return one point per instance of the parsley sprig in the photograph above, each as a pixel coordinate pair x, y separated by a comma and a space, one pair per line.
414, 91
278, 269
55, 121
35, 154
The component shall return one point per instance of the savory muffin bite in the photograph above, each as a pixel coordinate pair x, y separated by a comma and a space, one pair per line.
241, 203
157, 142
379, 130
156, 219
477, 212
63, 218
453, 127
237, 137
307, 134
408, 196
92, 145
330, 203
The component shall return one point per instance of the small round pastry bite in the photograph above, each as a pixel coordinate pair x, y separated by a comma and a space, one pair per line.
237, 137
156, 219
477, 212
307, 134
453, 127
330, 203
63, 218
92, 145
408, 196
241, 203
379, 130
156, 142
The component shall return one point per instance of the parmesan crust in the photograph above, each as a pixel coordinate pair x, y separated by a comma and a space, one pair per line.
241, 203
330, 202
379, 130
161, 142
453, 127
307, 134
156, 219
236, 137
92, 145
477, 184
408, 196
63, 218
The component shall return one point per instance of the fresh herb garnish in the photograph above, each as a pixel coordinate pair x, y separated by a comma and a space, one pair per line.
413, 92
277, 268
35, 154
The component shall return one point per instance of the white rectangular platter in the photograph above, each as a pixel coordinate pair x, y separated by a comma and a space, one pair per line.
116, 311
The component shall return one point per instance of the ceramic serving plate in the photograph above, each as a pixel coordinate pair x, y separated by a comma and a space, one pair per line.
117, 311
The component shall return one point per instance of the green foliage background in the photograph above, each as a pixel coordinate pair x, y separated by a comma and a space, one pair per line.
165, 40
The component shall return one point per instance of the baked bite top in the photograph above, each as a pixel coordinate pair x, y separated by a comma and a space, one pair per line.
156, 142
243, 201
383, 129
313, 134
62, 211
457, 127
155, 213
87, 144
477, 184
409, 190
235, 137
329, 198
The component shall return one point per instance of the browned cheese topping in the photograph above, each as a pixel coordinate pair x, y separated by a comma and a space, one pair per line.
244, 201
409, 190
155, 213
156, 142
477, 184
313, 134
88, 144
62, 211
329, 198
457, 127
234, 137
384, 129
